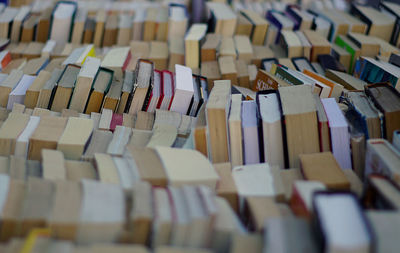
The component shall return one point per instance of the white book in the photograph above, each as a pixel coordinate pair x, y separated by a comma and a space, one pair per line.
17, 95
22, 144
340, 138
183, 90
74, 56
62, 21
272, 130
48, 48
181, 220
344, 228
250, 132
162, 223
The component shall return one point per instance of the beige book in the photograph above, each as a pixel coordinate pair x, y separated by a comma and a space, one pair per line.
34, 66
19, 23
163, 135
260, 26
211, 71
243, 77
84, 84
32, 94
10, 214
319, 44
55, 64
128, 120
10, 130
140, 138
117, 248
102, 213
173, 249
177, 22
98, 144
141, 214
210, 47
235, 131
226, 186
16, 52
53, 165
105, 119
243, 48
168, 118
331, 176
113, 96
150, 24
16, 64
251, 243
7, 85
46, 135
227, 66
119, 141
159, 54
301, 123
101, 18
124, 30
78, 170
106, 169
259, 53
149, 165
216, 112
79, 25
227, 47
110, 31
33, 50
176, 164
45, 92
75, 137
18, 168
162, 223
262, 208
144, 120
64, 218
368, 45
4, 164
117, 59
289, 176
292, 44
176, 52
71, 113
225, 18
37, 204
162, 24
193, 43
244, 26
200, 132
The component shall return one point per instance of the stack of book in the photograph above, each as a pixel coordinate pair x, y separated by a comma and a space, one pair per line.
192, 126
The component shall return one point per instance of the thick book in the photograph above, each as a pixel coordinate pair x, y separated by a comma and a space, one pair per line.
183, 89
99, 89
62, 21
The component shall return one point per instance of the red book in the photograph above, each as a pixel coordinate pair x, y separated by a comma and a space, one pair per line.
116, 120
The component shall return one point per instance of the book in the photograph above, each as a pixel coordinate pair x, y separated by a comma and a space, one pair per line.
339, 133
210, 47
184, 89
222, 19
348, 81
46, 135
268, 106
176, 49
250, 182
162, 223
127, 87
18, 21
296, 113
159, 54
332, 176
119, 141
301, 199
8, 84
62, 21
98, 221
379, 24
216, 114
62, 92
21, 146
292, 44
295, 234
53, 165
389, 106
251, 153
10, 130
235, 130
228, 69
259, 26
112, 98
45, 92
385, 226
318, 43
117, 59
17, 95
71, 143
243, 48
385, 160
193, 41
177, 21
323, 126
175, 162
98, 143
99, 89
143, 84
351, 232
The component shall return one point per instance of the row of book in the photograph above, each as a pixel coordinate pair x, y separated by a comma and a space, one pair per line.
65, 22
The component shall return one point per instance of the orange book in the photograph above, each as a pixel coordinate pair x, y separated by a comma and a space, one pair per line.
320, 79
5, 59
